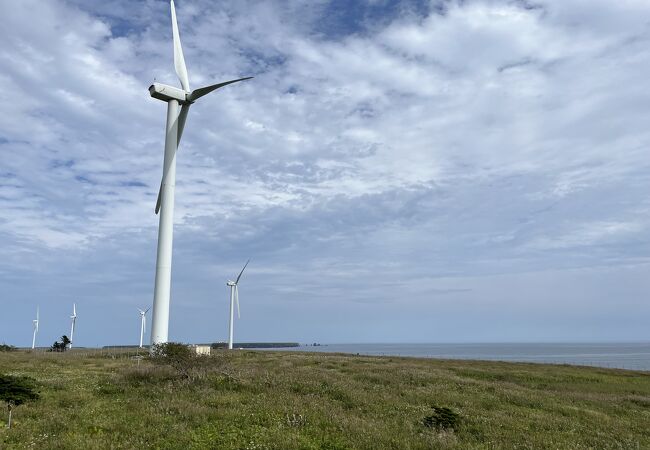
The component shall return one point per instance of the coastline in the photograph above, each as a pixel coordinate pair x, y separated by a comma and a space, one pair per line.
628, 356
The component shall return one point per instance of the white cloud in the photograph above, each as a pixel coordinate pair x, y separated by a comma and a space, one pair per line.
485, 137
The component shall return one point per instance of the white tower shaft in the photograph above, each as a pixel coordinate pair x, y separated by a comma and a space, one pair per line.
142, 326
74, 319
35, 325
232, 316
72, 331
162, 289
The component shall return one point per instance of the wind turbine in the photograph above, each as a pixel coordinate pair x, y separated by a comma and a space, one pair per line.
165, 203
234, 297
143, 321
35, 325
74, 320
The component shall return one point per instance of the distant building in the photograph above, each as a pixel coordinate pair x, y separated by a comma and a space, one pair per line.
201, 349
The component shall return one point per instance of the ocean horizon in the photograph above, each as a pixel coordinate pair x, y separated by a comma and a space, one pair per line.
619, 355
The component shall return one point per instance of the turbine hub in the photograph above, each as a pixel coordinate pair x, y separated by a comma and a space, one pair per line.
230, 283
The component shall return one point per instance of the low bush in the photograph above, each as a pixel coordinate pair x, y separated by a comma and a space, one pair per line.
15, 391
176, 355
60, 346
185, 362
442, 418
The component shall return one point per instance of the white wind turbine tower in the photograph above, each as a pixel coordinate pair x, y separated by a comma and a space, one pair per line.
143, 321
74, 320
35, 325
165, 203
234, 297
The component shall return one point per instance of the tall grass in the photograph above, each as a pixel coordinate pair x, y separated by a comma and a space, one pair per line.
280, 400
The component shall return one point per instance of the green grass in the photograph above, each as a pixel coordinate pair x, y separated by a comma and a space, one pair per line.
282, 400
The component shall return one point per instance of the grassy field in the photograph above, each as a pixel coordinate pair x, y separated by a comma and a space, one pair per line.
281, 400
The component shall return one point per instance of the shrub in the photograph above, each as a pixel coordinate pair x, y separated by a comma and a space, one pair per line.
166, 351
186, 363
442, 418
177, 355
7, 348
15, 391
60, 346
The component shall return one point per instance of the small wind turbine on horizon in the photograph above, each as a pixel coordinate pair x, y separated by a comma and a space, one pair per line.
143, 321
234, 297
165, 203
74, 321
35, 326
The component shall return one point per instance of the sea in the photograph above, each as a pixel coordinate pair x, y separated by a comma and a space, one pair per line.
633, 356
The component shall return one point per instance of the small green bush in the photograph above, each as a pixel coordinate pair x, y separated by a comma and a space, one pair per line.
169, 352
60, 346
15, 391
174, 354
442, 418
7, 348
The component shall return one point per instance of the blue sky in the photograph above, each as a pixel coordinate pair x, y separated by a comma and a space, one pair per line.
398, 171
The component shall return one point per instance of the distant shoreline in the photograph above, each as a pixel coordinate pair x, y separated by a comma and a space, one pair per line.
216, 345
616, 355
631, 355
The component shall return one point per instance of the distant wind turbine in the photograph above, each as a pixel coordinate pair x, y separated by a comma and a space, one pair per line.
165, 203
35, 325
74, 320
234, 297
143, 321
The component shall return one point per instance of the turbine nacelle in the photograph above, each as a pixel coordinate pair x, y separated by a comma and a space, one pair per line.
166, 93
231, 283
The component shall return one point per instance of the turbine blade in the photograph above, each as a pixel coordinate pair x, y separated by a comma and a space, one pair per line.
74, 309
237, 301
242, 271
147, 310
200, 92
179, 60
158, 202
182, 117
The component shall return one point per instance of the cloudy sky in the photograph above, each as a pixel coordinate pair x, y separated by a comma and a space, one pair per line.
398, 171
